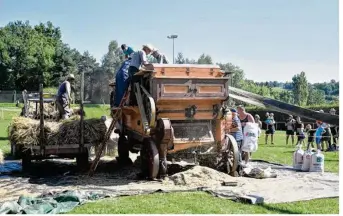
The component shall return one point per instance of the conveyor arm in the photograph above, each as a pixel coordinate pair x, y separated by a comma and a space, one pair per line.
282, 107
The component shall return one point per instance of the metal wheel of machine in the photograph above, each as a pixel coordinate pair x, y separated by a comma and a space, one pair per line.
123, 151
82, 160
230, 155
150, 159
26, 160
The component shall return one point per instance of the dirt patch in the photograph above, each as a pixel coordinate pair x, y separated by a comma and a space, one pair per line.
199, 176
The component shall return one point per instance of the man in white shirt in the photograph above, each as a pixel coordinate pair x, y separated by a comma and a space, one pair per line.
138, 59
63, 98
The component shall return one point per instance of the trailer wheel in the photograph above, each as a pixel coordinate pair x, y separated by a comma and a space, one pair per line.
82, 160
150, 159
26, 160
123, 151
230, 156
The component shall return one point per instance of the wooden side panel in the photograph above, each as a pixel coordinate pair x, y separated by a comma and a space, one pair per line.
185, 89
175, 110
173, 88
209, 88
187, 70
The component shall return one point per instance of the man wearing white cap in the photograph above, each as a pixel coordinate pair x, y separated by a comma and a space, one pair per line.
63, 97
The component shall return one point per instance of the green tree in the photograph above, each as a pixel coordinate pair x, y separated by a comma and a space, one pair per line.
300, 89
180, 59
237, 75
205, 59
316, 96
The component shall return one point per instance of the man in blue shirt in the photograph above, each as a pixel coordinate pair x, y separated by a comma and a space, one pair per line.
127, 51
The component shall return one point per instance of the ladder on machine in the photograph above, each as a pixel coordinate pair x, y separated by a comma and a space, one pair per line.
116, 115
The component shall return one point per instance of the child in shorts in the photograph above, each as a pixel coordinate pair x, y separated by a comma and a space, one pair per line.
310, 136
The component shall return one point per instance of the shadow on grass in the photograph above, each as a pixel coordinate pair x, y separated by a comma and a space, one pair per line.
279, 210
3, 138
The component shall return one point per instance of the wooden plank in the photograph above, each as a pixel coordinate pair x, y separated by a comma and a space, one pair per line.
71, 146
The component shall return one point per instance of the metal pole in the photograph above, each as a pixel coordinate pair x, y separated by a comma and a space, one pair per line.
81, 114
173, 52
41, 125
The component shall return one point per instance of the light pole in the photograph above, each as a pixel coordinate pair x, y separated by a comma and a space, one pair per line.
173, 37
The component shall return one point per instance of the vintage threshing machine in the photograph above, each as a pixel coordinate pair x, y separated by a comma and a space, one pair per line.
180, 113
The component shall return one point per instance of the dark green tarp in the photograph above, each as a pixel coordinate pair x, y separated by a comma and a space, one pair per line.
50, 203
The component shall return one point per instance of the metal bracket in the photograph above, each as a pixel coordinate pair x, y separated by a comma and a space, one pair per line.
187, 71
191, 111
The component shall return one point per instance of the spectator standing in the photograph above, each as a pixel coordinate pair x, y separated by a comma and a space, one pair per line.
237, 132
334, 130
299, 127
290, 129
259, 123
327, 135
270, 127
310, 136
319, 133
245, 117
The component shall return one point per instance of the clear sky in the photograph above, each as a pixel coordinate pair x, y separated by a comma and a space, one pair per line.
268, 39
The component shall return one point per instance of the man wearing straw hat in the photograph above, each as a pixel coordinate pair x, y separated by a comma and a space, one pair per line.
63, 97
138, 60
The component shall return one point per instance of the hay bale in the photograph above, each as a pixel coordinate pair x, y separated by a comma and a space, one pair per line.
69, 132
25, 131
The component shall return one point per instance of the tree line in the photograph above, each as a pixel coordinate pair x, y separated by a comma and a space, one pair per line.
30, 55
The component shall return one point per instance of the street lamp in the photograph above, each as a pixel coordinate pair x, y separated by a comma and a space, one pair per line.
172, 37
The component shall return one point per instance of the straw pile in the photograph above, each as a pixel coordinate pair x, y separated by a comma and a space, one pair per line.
1, 157
49, 111
25, 131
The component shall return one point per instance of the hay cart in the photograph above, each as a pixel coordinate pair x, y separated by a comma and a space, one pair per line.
181, 112
80, 150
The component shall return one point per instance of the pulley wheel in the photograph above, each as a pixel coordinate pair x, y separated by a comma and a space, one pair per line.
231, 155
150, 159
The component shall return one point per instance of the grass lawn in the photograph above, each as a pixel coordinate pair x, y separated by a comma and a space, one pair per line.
200, 203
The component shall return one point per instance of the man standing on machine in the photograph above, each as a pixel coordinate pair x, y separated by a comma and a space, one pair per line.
161, 58
139, 59
63, 98
127, 51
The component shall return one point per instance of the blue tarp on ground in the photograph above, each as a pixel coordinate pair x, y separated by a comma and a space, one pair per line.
50, 203
122, 81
